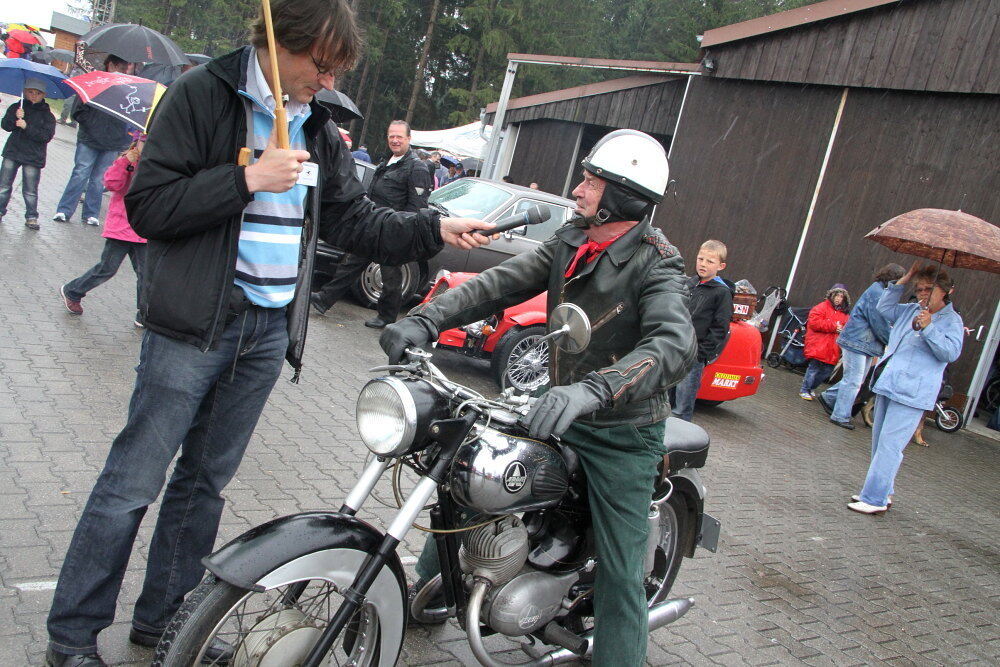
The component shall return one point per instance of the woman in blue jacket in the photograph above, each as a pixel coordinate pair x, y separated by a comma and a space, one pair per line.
926, 336
862, 339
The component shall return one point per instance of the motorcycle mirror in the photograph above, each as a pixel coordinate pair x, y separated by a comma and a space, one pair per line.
570, 318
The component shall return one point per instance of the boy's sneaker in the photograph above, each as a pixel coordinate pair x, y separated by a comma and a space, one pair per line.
71, 305
31, 223
93, 222
59, 217
805, 395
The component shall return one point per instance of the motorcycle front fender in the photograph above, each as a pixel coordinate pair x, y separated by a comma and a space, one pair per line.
247, 559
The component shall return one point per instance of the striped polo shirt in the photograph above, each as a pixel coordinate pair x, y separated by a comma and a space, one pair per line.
267, 260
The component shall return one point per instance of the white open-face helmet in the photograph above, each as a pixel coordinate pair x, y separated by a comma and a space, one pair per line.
631, 159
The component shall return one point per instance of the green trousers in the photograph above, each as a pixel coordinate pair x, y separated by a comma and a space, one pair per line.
620, 464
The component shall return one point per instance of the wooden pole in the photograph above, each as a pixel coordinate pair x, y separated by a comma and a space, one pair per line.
280, 118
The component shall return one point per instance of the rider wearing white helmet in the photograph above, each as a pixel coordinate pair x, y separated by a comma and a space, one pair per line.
609, 402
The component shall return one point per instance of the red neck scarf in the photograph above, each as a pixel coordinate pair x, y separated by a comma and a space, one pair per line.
590, 251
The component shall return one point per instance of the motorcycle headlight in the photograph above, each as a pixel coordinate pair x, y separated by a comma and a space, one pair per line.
392, 414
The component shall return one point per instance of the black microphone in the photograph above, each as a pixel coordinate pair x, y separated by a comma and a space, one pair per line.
532, 216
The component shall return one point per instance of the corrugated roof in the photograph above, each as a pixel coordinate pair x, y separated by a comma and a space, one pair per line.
790, 19
604, 63
585, 90
70, 24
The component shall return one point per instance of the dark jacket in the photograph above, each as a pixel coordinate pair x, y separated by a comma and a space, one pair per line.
99, 130
188, 197
634, 293
711, 308
403, 185
867, 331
28, 146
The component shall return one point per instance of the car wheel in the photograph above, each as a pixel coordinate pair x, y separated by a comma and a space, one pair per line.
368, 288
516, 364
774, 360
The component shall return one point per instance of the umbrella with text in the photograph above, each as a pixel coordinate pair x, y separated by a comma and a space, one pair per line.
130, 98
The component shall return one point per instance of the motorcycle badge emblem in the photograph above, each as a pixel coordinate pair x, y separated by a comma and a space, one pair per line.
514, 477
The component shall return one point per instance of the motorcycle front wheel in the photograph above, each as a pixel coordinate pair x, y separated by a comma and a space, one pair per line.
276, 626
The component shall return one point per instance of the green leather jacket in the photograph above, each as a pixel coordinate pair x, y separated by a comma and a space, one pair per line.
635, 295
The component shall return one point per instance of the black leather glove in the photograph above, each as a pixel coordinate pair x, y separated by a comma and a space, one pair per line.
553, 413
413, 331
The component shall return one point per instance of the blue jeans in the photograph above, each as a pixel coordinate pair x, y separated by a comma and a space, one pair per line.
817, 373
29, 186
686, 391
891, 432
841, 395
89, 165
114, 252
204, 403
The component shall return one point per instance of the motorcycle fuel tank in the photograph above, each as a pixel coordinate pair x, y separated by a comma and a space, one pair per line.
499, 473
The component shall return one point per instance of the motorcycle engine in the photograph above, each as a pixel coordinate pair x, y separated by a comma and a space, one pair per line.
495, 552
521, 600
528, 602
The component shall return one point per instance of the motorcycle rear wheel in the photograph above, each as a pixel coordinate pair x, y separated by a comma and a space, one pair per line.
674, 524
264, 628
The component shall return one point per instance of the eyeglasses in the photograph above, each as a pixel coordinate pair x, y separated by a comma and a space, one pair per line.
326, 70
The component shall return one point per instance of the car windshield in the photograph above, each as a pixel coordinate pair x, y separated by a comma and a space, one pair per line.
470, 199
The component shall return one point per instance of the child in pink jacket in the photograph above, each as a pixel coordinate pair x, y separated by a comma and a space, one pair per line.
121, 238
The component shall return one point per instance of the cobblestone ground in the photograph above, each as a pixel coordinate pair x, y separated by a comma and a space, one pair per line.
798, 578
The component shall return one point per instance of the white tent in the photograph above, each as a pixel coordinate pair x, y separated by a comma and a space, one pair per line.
464, 141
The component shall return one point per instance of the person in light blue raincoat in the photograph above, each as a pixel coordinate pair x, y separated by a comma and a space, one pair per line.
926, 336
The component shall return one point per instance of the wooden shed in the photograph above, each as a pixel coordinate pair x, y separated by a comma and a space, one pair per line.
801, 131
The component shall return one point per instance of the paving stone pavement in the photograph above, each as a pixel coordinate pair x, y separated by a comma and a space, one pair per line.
798, 578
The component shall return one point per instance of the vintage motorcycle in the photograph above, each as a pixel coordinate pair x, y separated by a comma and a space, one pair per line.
510, 521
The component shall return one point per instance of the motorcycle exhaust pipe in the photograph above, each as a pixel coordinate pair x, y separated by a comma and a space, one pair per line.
660, 615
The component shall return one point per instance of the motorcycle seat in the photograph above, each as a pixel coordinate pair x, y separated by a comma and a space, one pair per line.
686, 443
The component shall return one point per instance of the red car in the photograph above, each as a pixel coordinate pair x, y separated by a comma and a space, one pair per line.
507, 338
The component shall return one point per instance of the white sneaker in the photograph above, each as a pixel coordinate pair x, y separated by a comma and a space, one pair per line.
59, 217
865, 508
93, 222
805, 395
857, 498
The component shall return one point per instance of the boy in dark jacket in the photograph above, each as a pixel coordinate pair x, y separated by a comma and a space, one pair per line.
711, 307
31, 126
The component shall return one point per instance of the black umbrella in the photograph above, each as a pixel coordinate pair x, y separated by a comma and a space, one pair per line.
340, 105
58, 54
165, 74
133, 43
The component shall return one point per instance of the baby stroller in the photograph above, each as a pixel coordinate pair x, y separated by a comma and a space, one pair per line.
793, 336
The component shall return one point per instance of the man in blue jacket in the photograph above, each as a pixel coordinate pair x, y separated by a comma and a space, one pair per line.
863, 338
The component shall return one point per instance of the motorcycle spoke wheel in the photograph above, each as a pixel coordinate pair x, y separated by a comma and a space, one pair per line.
948, 419
279, 626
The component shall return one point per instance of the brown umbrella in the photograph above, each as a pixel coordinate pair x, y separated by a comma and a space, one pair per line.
952, 238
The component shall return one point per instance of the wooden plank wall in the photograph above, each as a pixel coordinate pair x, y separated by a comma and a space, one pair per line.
745, 160
898, 151
543, 153
650, 108
932, 45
